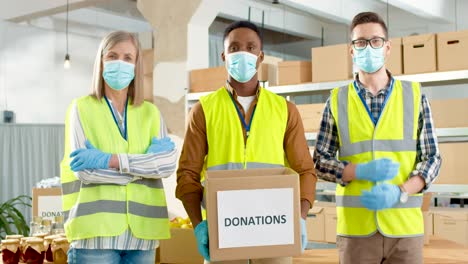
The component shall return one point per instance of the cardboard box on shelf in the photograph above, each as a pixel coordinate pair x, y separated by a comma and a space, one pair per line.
454, 163
428, 226
331, 63
148, 61
242, 229
271, 63
450, 113
180, 248
315, 224
394, 62
427, 197
451, 47
419, 54
451, 224
330, 224
294, 72
209, 79
47, 202
311, 115
263, 72
148, 88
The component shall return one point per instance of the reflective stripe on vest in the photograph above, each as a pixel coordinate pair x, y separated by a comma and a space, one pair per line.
94, 210
407, 144
394, 136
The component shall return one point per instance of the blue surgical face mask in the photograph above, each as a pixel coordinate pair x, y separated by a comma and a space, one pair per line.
118, 74
241, 65
369, 59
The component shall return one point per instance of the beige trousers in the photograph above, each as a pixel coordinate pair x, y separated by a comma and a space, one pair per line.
286, 260
378, 249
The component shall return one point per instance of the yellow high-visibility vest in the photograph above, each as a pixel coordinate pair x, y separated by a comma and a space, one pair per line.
226, 148
104, 210
394, 136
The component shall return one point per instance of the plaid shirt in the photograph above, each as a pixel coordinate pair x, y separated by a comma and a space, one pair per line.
329, 168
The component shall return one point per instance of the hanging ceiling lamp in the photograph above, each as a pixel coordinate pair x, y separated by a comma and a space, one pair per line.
66, 64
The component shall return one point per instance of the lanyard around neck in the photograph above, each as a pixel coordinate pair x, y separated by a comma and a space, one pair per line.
124, 134
246, 126
390, 89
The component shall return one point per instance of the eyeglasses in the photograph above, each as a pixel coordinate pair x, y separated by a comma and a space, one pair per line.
376, 43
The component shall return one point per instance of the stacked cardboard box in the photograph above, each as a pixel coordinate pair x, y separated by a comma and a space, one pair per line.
419, 54
394, 62
294, 72
311, 115
331, 63
180, 248
451, 48
451, 224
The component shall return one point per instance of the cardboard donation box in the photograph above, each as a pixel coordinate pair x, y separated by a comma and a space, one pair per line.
47, 202
394, 62
419, 54
253, 213
451, 48
294, 72
180, 248
331, 63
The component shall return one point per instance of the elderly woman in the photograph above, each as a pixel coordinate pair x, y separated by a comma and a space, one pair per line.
116, 152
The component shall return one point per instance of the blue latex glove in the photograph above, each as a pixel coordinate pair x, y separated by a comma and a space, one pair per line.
377, 170
201, 233
89, 158
381, 196
303, 234
160, 145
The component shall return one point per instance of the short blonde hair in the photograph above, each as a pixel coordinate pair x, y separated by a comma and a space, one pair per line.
135, 88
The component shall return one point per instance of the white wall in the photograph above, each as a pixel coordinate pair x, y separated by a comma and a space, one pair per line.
33, 81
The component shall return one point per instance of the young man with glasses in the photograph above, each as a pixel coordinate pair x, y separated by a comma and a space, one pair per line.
377, 142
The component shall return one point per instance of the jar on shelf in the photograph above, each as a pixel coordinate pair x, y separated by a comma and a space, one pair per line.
10, 251
57, 226
35, 225
59, 250
33, 251
48, 247
46, 226
21, 247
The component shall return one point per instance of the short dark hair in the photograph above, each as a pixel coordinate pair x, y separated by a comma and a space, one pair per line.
368, 17
243, 24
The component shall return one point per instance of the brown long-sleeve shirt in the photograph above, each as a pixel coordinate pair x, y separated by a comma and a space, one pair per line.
195, 150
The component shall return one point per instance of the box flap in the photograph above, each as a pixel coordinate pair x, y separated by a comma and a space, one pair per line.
222, 174
451, 213
450, 36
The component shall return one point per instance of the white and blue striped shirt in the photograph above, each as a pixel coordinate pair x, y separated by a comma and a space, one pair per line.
132, 167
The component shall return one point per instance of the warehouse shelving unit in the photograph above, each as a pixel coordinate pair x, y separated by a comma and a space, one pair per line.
308, 88
459, 134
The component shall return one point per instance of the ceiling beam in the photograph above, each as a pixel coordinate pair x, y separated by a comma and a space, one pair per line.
433, 10
23, 10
